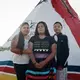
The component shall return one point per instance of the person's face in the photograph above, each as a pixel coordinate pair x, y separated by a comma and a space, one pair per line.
41, 29
57, 28
25, 29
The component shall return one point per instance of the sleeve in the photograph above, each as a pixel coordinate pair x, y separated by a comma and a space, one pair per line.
66, 47
14, 42
32, 39
53, 40
66, 44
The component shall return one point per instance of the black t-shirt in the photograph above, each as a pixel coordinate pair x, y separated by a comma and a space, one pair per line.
42, 45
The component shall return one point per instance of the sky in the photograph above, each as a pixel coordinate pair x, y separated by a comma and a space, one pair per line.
14, 12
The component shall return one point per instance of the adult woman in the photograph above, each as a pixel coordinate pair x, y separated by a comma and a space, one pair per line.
19, 46
62, 51
44, 50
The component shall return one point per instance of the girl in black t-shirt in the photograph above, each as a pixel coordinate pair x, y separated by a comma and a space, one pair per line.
44, 49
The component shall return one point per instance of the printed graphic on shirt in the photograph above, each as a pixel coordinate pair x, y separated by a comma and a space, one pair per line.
41, 46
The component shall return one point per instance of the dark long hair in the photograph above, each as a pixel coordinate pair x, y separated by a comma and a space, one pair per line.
46, 29
20, 44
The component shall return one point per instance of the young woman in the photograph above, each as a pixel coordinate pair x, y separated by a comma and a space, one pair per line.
62, 51
19, 46
44, 50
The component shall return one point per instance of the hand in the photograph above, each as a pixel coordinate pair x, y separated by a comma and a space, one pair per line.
37, 65
60, 68
42, 64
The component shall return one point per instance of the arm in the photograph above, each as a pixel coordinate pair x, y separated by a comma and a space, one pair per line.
27, 51
30, 46
50, 57
66, 50
13, 46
